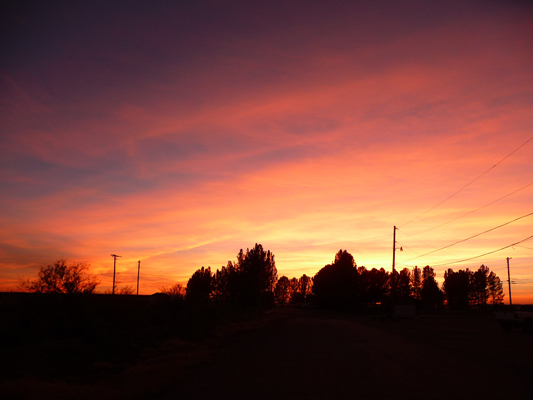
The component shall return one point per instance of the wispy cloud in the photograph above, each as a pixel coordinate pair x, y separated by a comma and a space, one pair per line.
179, 136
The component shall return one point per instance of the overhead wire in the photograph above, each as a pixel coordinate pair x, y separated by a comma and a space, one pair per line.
481, 255
404, 248
471, 182
470, 212
424, 243
471, 237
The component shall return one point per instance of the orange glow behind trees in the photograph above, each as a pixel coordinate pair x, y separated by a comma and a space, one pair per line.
305, 129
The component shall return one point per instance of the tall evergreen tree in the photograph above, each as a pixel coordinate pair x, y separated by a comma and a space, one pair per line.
495, 289
223, 281
305, 286
456, 288
199, 286
431, 294
257, 276
294, 295
283, 291
373, 285
479, 286
404, 284
416, 282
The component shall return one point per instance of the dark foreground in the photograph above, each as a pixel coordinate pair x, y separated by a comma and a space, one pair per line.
315, 354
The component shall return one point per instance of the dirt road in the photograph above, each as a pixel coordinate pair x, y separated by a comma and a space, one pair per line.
312, 354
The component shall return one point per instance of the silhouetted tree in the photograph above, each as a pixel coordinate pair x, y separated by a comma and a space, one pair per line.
199, 286
363, 285
465, 287
294, 296
479, 286
61, 278
121, 290
373, 285
336, 284
282, 291
495, 289
248, 282
305, 287
256, 277
431, 294
224, 282
416, 282
124, 290
456, 288
379, 285
176, 291
404, 284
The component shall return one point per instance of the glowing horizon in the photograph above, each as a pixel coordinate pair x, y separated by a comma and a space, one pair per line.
177, 137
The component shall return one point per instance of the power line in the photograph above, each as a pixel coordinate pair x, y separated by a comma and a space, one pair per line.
481, 255
470, 212
471, 237
468, 184
424, 243
418, 240
405, 248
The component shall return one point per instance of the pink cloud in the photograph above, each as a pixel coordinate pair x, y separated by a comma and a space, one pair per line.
306, 138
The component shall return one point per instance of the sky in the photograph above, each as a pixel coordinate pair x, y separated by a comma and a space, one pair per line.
177, 133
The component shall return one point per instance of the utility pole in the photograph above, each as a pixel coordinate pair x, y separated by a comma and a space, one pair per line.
393, 283
138, 273
394, 248
393, 275
509, 280
114, 269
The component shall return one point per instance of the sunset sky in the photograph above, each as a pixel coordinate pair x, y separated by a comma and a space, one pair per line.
177, 133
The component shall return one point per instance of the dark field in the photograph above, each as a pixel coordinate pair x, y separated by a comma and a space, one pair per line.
296, 353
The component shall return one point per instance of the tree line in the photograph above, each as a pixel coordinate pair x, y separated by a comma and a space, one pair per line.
252, 281
342, 283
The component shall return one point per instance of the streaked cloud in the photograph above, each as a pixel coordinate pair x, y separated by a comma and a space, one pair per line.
179, 135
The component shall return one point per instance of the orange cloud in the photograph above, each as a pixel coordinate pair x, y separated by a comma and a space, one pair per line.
306, 141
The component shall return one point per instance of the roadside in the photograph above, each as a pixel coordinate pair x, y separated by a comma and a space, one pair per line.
317, 354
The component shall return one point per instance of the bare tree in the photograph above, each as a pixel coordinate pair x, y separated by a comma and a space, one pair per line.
176, 291
128, 289
61, 278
